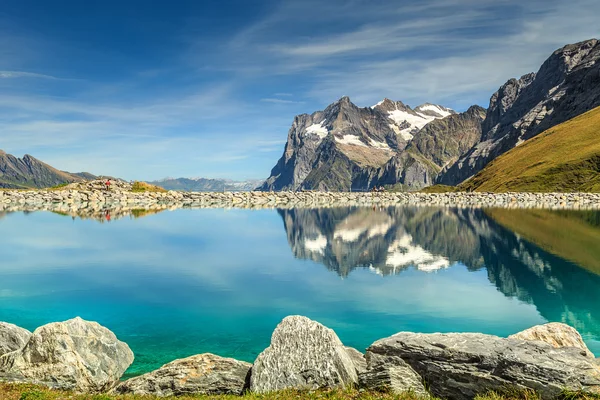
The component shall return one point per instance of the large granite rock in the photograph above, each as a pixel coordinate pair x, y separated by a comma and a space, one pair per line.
304, 355
555, 334
462, 365
74, 355
201, 374
12, 337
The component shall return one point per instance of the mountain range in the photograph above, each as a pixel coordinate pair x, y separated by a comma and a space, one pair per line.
29, 172
206, 185
346, 147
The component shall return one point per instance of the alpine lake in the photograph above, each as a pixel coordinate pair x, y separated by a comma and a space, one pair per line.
188, 281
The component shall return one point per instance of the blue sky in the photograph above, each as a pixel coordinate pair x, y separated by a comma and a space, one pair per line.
149, 89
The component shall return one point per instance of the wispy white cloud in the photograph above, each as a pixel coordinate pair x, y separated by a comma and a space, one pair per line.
457, 52
22, 74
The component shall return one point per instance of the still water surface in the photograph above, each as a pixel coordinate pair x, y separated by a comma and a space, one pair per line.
185, 282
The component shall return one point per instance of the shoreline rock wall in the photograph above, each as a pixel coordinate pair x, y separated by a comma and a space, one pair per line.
305, 355
98, 200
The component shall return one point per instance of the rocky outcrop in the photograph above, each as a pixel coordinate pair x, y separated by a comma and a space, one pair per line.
555, 334
462, 365
29, 172
12, 337
201, 374
567, 85
74, 355
303, 355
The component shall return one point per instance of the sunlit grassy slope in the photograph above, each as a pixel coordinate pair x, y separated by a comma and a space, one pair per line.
565, 158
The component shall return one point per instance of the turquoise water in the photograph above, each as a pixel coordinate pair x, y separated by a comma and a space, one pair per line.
185, 282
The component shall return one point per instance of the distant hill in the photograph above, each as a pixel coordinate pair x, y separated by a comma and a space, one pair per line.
206, 185
29, 172
563, 158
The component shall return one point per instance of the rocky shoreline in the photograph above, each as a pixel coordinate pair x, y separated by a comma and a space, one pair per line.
72, 200
86, 357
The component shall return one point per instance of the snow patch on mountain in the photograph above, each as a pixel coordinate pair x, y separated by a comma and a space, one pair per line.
318, 129
434, 108
351, 139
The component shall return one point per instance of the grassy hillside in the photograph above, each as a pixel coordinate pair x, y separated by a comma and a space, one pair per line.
565, 158
572, 235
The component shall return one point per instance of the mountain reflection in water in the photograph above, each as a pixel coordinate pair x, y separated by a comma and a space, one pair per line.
532, 266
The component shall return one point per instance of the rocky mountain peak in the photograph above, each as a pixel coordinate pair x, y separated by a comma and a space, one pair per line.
566, 85
571, 55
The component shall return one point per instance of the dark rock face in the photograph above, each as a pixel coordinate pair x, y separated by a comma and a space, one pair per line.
463, 365
567, 85
391, 373
12, 337
29, 172
72, 355
350, 148
206, 374
303, 355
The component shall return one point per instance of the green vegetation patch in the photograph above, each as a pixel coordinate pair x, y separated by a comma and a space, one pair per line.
10, 391
440, 189
140, 187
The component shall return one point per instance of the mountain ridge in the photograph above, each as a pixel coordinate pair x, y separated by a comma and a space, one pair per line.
29, 172
566, 85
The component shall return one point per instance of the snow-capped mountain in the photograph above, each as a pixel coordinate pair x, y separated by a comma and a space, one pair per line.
348, 147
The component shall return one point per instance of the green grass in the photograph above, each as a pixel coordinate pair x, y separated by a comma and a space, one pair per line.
141, 187
565, 158
10, 391
58, 187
